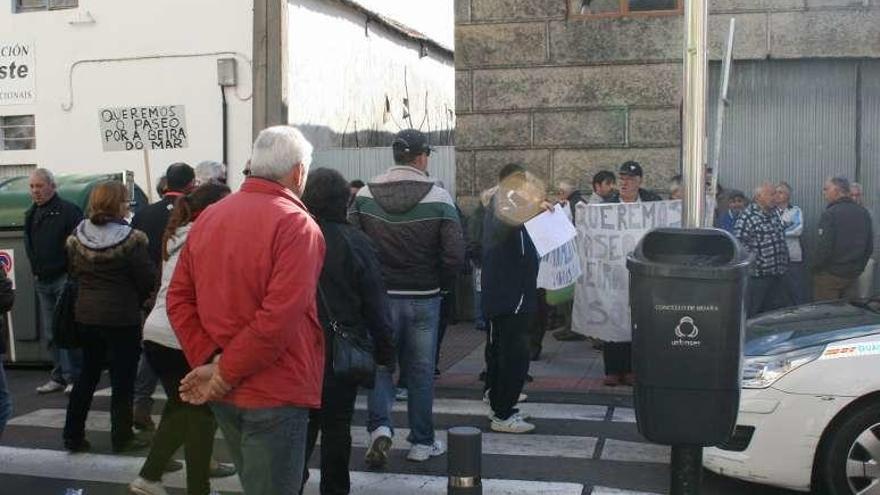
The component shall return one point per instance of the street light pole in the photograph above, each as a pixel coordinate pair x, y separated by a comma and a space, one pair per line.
694, 111
686, 470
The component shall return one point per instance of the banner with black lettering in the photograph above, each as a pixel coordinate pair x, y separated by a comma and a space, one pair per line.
607, 233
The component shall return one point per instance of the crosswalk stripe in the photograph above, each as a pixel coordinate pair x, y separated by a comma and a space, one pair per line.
620, 450
533, 445
603, 490
470, 407
624, 415
120, 469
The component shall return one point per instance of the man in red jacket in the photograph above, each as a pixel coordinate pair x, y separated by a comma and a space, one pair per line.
242, 303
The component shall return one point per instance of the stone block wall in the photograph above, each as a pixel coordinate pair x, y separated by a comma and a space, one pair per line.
570, 95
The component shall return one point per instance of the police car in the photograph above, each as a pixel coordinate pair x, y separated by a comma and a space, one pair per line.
809, 415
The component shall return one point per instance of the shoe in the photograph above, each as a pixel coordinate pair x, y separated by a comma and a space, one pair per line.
517, 412
142, 420
68, 389
141, 486
221, 470
133, 445
568, 336
50, 386
612, 380
401, 395
421, 453
173, 466
529, 379
76, 447
514, 424
380, 445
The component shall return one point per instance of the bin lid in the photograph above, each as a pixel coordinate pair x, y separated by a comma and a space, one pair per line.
15, 196
689, 253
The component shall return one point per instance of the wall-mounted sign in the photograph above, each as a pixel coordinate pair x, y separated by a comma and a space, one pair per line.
17, 72
143, 128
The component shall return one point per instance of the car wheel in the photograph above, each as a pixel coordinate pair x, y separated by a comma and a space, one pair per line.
851, 458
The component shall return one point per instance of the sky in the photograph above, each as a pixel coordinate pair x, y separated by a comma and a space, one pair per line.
434, 18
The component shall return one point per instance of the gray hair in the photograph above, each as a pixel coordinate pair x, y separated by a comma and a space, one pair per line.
784, 185
277, 150
761, 187
566, 184
44, 174
842, 184
210, 171
856, 186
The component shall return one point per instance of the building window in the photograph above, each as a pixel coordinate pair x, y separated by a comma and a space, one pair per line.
39, 5
17, 132
613, 8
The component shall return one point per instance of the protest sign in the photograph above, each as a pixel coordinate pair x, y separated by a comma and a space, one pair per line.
143, 128
549, 230
560, 268
607, 233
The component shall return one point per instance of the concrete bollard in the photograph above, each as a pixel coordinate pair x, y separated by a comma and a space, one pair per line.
465, 461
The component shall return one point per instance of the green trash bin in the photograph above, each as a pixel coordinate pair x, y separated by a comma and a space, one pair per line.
27, 346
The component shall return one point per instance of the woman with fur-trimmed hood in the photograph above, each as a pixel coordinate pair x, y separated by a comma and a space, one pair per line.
109, 259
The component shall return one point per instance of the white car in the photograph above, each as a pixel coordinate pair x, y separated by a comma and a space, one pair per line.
809, 416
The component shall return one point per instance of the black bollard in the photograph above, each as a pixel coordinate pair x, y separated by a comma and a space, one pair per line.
465, 461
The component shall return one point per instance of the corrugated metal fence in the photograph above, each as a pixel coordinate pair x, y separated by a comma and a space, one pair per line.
801, 122
366, 163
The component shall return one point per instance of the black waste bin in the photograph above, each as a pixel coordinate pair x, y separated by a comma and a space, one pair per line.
687, 292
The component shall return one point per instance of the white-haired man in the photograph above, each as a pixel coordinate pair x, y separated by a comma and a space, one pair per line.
242, 302
762, 234
47, 224
210, 172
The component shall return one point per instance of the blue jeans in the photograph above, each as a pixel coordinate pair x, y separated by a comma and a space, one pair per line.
5, 400
414, 326
144, 386
67, 363
267, 445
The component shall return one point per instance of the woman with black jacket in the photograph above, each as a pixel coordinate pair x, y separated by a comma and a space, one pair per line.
352, 286
110, 261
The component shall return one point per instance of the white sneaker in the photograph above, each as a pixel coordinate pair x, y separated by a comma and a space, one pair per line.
402, 395
68, 389
380, 445
49, 387
141, 486
513, 424
421, 453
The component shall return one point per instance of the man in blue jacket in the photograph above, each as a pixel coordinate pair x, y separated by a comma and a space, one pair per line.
510, 302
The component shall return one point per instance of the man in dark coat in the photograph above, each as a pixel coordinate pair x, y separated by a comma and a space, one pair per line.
47, 223
845, 243
152, 220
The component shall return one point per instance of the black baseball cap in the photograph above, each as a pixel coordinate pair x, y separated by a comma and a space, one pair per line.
631, 168
411, 142
180, 176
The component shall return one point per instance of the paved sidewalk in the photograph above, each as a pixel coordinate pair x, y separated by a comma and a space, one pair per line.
563, 367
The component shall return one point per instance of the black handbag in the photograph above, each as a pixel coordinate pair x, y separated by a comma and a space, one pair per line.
65, 330
351, 353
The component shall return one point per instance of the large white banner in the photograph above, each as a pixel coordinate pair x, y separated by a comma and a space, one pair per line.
607, 233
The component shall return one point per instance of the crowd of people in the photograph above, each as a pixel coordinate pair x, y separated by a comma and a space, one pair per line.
255, 344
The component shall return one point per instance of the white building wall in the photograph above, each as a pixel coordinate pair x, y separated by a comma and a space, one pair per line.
340, 75
70, 90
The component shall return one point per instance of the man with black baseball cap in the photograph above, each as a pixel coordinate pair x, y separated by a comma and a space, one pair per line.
631, 191
415, 228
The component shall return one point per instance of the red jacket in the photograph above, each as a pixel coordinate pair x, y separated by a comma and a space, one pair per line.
245, 286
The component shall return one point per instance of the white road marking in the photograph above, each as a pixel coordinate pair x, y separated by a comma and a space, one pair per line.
602, 490
619, 450
533, 445
624, 415
120, 469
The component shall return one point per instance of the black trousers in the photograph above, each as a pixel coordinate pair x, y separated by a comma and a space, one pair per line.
120, 347
540, 325
764, 294
333, 422
617, 357
182, 424
507, 361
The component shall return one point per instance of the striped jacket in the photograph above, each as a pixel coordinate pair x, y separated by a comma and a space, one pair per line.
415, 227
